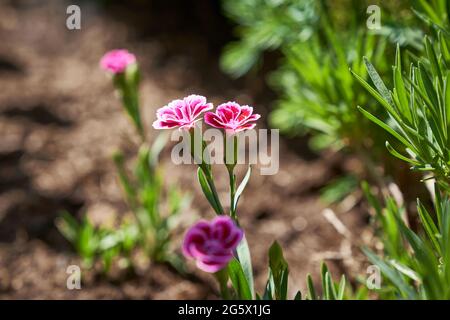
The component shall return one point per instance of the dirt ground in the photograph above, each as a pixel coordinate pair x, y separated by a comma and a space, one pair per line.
60, 123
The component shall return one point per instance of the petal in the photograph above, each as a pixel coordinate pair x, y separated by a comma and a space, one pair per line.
158, 124
210, 267
246, 112
165, 111
253, 117
222, 227
192, 242
195, 99
247, 126
218, 253
232, 242
228, 111
197, 234
222, 257
197, 104
235, 108
213, 120
201, 108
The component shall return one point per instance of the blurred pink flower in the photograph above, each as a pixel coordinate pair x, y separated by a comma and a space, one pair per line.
232, 117
211, 244
116, 61
181, 113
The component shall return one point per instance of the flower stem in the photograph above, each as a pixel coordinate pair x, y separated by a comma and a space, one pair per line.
232, 176
212, 186
232, 191
207, 170
222, 278
129, 93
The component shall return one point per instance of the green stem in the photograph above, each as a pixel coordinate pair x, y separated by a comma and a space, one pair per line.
207, 170
232, 176
130, 101
222, 278
210, 179
232, 191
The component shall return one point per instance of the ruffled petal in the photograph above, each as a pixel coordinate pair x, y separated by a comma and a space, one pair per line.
214, 120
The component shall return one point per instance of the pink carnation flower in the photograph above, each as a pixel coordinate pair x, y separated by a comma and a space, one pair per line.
232, 117
181, 113
116, 61
211, 244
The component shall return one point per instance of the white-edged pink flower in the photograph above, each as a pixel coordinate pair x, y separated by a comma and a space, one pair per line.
181, 113
212, 244
116, 61
232, 117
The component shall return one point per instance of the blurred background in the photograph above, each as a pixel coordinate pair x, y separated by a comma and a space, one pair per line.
60, 122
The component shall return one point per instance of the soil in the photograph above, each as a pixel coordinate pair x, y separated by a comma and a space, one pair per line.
60, 122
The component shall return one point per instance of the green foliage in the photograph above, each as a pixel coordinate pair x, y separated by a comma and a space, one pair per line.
155, 206
330, 289
416, 265
318, 47
97, 243
416, 262
436, 13
239, 280
277, 284
127, 84
267, 25
319, 41
419, 110
318, 91
155, 209
264, 25
155, 212
245, 260
278, 273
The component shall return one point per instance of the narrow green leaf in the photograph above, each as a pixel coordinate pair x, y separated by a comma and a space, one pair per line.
393, 275
68, 226
268, 291
379, 84
127, 186
433, 60
396, 154
377, 96
279, 269
206, 190
405, 270
243, 253
386, 127
238, 280
310, 286
330, 289
429, 226
323, 277
374, 203
341, 291
242, 186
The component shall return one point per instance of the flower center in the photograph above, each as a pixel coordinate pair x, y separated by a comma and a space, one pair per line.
233, 123
212, 245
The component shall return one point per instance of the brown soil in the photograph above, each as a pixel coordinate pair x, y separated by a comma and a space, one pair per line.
60, 122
